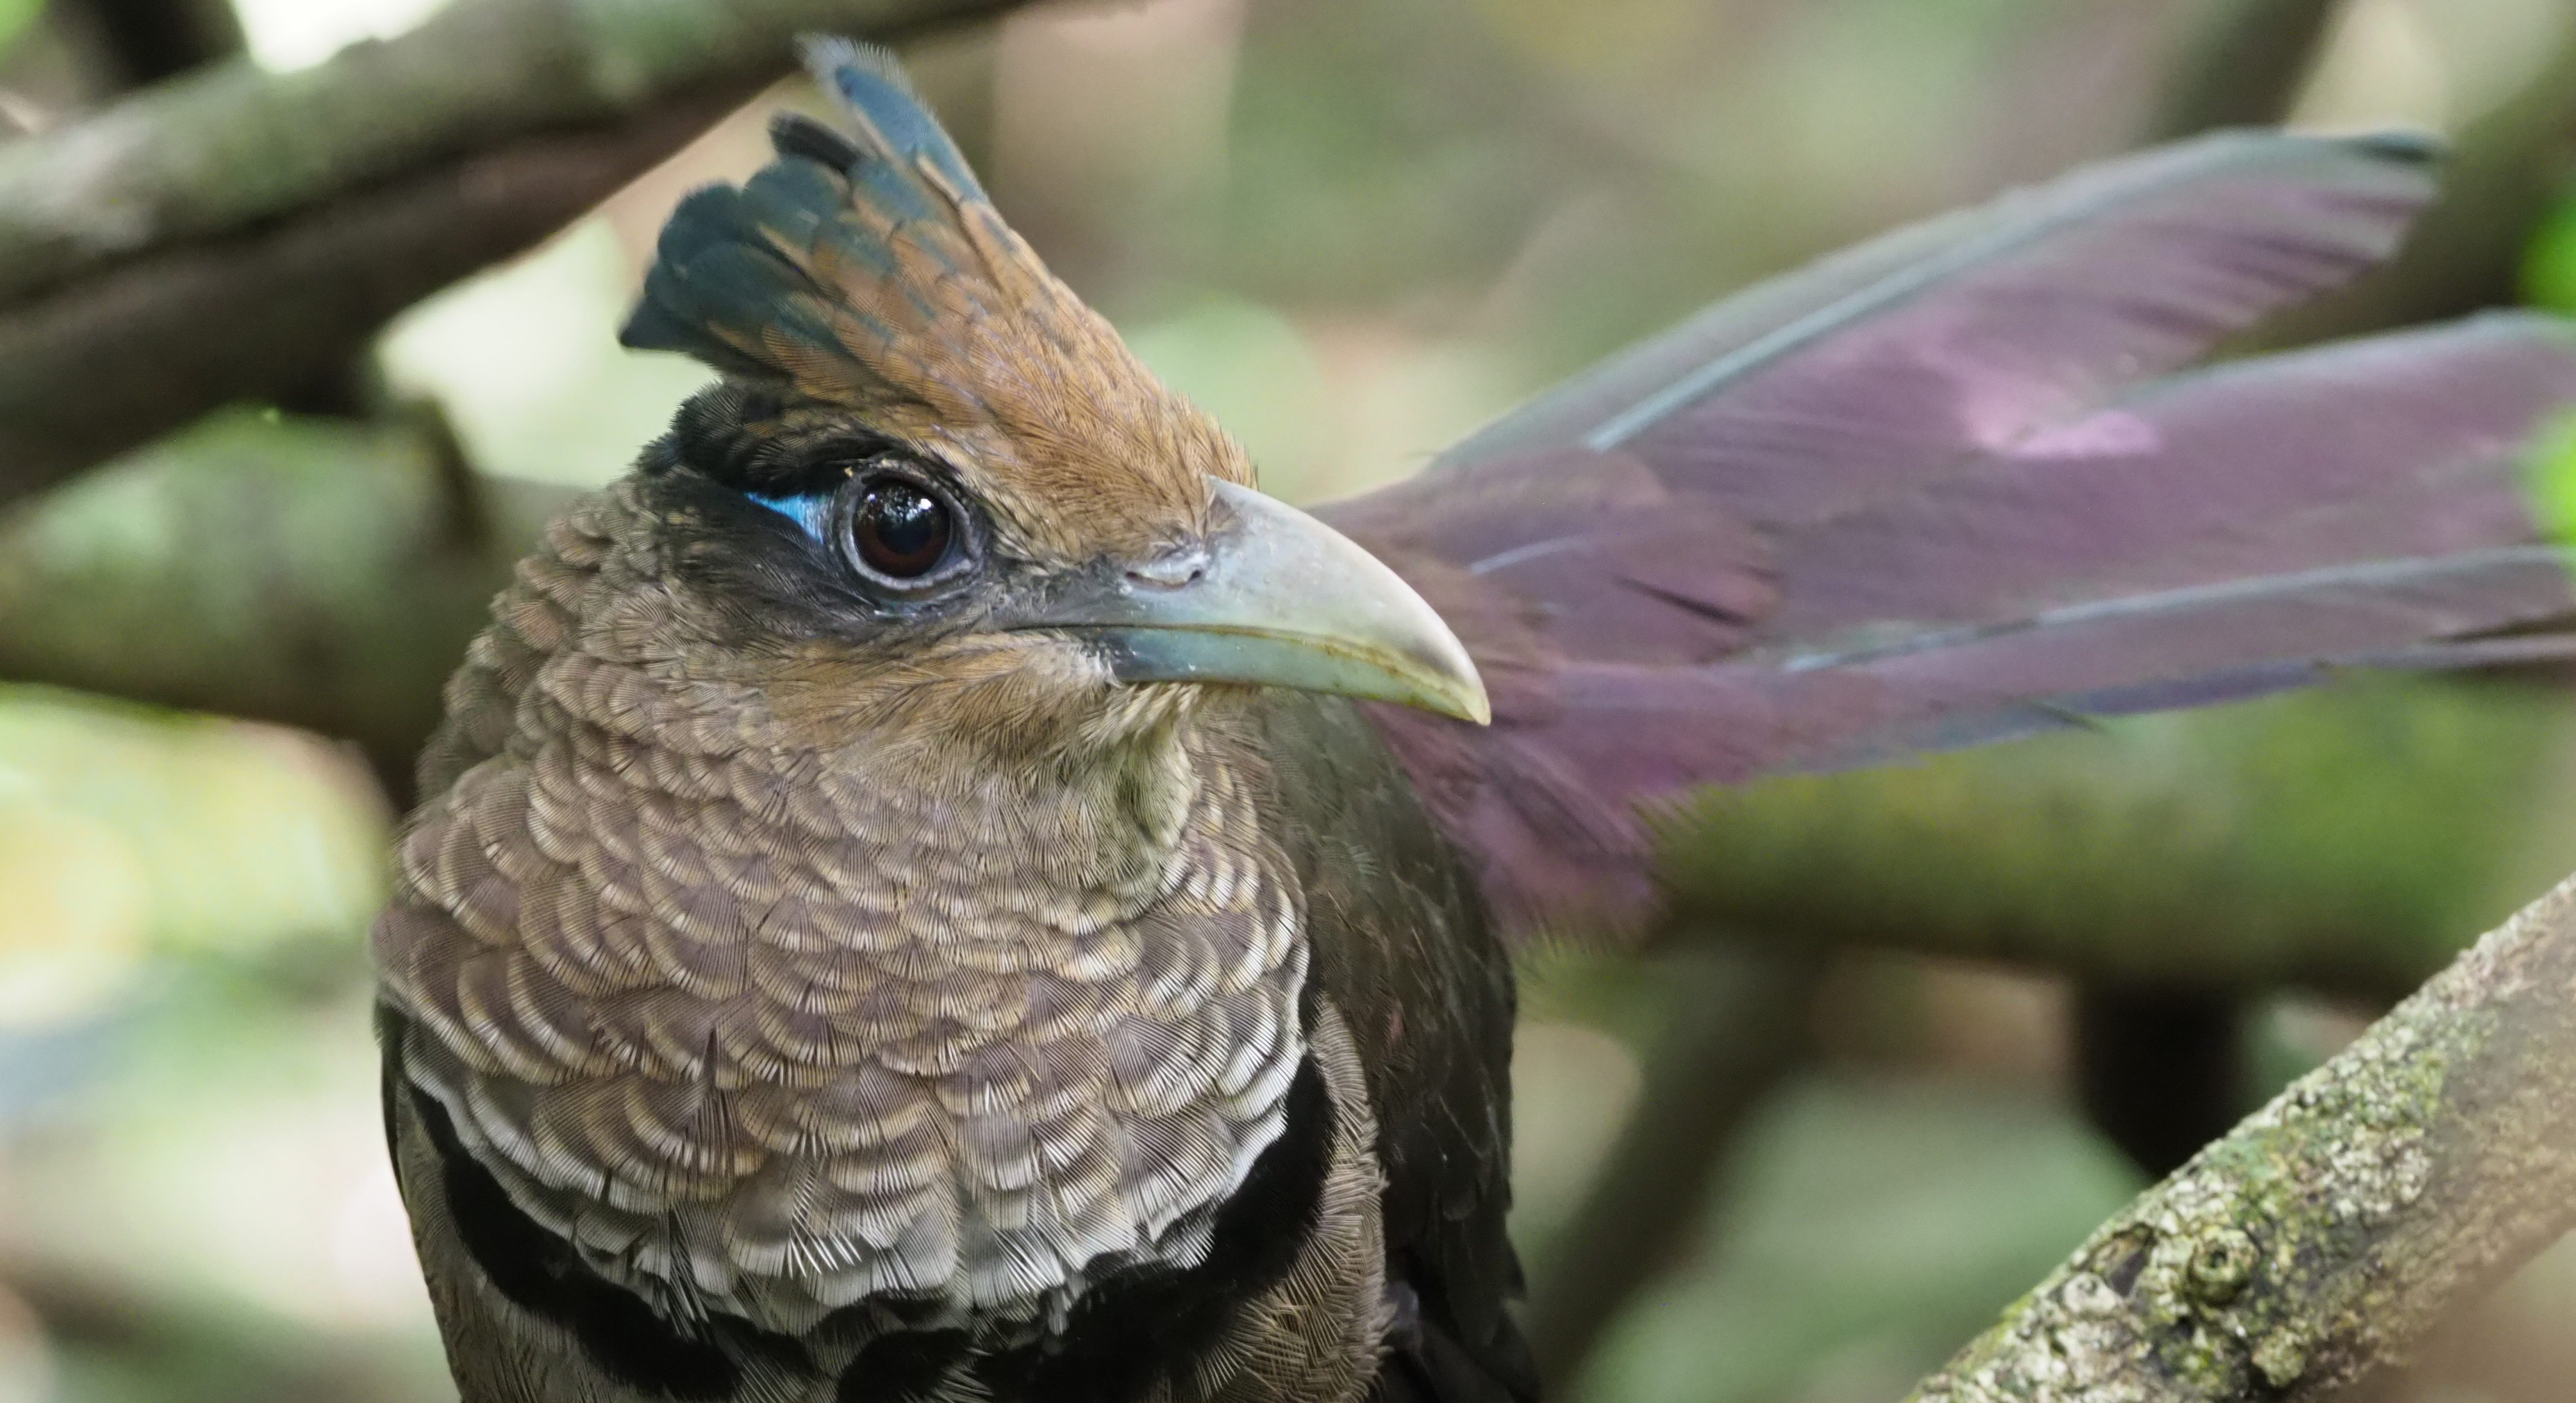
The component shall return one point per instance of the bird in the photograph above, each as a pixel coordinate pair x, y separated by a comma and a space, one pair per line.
935, 887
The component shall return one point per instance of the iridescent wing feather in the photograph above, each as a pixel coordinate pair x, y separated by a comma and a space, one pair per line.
1944, 489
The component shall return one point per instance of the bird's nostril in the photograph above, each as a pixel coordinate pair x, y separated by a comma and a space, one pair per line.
1171, 571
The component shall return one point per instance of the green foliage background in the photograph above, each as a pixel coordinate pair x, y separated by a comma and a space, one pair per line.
1354, 229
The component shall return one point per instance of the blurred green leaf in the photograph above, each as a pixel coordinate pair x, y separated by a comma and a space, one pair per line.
1870, 1227
2551, 479
15, 16
2549, 265
120, 824
1245, 364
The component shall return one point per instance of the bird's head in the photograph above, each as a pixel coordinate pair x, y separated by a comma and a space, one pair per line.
934, 487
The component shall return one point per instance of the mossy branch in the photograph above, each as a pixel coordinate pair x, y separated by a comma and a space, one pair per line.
2351, 838
321, 574
235, 234
236, 146
141, 348
2327, 1233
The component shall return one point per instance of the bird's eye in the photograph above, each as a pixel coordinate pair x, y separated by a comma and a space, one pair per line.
900, 530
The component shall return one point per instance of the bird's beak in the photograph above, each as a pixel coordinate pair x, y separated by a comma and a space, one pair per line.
1278, 599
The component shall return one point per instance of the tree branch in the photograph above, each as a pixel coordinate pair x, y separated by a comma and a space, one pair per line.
238, 234
1740, 1026
2244, 68
236, 146
2327, 1233
307, 572
2350, 839
149, 345
155, 39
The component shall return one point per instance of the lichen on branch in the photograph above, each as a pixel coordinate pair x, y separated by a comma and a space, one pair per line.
2323, 1236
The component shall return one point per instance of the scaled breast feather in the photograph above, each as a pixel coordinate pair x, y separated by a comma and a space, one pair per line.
761, 1031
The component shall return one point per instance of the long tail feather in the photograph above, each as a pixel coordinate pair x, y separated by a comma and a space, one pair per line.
2397, 446
1808, 394
1930, 494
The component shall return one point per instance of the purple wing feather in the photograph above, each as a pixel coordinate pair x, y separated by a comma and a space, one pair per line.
2405, 444
1806, 394
1931, 493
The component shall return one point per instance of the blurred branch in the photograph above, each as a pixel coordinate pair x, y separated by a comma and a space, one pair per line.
147, 346
2349, 838
2507, 171
2160, 1070
2244, 68
308, 573
236, 232
1740, 1024
155, 39
219, 152
2328, 1232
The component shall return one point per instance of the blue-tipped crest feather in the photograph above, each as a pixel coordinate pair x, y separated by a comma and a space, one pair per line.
712, 271
736, 269
863, 283
795, 134
794, 200
894, 125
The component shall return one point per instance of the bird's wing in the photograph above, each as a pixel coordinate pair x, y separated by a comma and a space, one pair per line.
1403, 952
1932, 492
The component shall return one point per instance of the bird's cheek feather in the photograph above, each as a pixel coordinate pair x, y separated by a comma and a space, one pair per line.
1010, 693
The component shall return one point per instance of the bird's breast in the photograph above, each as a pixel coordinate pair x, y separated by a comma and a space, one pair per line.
773, 1031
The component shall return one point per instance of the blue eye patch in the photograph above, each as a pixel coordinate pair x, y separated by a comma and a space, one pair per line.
811, 512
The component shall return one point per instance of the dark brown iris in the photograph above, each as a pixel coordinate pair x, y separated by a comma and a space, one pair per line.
901, 531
